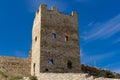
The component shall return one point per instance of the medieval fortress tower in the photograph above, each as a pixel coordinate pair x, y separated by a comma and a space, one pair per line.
55, 42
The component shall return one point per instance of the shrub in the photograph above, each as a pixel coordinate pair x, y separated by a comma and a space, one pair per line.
110, 75
15, 78
3, 74
33, 78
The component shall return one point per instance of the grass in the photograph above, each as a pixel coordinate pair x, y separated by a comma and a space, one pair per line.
7, 76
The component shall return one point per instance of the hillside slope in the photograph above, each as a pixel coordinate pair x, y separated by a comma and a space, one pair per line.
97, 72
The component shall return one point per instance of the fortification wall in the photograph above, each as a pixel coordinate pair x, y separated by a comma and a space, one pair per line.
15, 66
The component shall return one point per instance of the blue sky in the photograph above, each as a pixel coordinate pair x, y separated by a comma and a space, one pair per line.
99, 28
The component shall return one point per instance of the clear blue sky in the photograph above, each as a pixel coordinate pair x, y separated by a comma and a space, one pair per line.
99, 28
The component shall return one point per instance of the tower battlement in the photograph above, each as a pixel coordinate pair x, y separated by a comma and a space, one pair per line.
54, 9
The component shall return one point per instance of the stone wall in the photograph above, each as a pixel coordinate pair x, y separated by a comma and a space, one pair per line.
15, 66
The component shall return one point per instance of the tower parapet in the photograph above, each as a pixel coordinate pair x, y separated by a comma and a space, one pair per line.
55, 9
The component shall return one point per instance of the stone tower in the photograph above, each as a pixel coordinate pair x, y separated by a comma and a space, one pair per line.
55, 42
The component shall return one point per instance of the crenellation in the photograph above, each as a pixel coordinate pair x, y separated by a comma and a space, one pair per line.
74, 14
43, 7
55, 9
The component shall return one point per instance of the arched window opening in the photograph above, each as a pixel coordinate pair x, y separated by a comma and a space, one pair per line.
34, 68
66, 38
51, 61
35, 38
69, 65
53, 35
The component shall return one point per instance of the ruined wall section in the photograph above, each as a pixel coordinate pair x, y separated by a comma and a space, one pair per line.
60, 49
15, 66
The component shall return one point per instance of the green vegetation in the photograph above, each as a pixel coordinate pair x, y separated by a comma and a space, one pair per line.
97, 72
33, 78
3, 74
16, 78
110, 75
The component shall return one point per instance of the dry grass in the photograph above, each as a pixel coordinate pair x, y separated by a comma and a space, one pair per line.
6, 76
